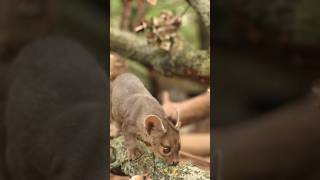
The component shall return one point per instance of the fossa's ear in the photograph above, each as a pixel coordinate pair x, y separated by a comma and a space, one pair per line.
154, 123
176, 120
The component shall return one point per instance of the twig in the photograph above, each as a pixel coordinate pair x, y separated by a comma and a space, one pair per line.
126, 13
190, 110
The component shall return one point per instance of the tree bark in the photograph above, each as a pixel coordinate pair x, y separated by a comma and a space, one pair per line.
196, 143
193, 64
190, 110
202, 7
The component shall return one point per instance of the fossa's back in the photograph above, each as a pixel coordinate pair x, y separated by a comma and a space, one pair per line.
130, 100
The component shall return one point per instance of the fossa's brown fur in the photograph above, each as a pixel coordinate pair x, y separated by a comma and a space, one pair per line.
140, 116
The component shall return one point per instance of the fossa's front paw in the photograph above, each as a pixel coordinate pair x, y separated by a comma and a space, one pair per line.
134, 153
140, 177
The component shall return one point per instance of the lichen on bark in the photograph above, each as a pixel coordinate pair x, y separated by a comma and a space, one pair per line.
150, 164
190, 63
202, 7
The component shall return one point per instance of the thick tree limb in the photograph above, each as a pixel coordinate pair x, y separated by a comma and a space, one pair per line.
196, 159
148, 164
202, 7
196, 143
194, 64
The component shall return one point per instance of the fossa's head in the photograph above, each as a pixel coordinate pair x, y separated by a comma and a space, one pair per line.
165, 138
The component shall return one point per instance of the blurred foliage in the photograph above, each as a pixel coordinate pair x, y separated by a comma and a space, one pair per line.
189, 28
296, 21
273, 14
141, 72
189, 32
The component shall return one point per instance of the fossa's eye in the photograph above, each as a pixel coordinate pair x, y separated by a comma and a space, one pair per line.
166, 150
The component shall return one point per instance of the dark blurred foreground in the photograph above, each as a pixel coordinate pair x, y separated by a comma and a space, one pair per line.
55, 113
52, 91
266, 64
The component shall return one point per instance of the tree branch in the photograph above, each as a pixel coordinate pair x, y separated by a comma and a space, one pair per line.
190, 110
149, 164
193, 64
202, 7
196, 143
196, 159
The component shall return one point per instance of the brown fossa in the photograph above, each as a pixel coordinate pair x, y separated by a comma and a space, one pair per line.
139, 115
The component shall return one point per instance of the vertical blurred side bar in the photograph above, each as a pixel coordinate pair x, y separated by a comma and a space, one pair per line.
212, 101
107, 66
20, 23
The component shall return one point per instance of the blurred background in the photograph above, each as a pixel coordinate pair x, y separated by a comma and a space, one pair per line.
266, 55
24, 21
266, 64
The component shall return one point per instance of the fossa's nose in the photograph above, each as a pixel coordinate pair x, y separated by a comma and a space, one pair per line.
175, 162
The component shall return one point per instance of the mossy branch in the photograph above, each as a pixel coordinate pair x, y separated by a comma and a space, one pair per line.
202, 7
151, 165
193, 64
